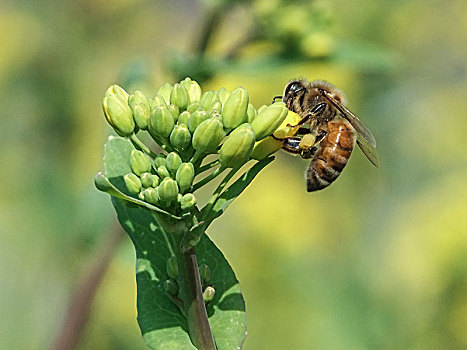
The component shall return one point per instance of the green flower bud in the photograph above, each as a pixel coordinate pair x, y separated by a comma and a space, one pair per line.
235, 109
171, 287
215, 115
168, 190
156, 101
140, 106
223, 95
251, 113
243, 126
141, 115
141, 195
147, 180
186, 83
174, 110
180, 137
172, 162
208, 294
117, 112
139, 162
151, 195
161, 122
197, 118
208, 135
159, 160
184, 176
260, 109
269, 119
208, 98
102, 183
187, 201
179, 96
183, 118
215, 107
165, 91
163, 172
237, 147
193, 89
133, 183
265, 148
205, 273
155, 180
269, 145
193, 107
172, 267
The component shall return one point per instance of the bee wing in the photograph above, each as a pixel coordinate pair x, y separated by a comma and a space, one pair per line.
365, 139
368, 150
352, 118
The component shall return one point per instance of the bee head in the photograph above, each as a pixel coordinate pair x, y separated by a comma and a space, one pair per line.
293, 89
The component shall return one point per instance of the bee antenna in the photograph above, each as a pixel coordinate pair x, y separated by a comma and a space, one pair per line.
275, 98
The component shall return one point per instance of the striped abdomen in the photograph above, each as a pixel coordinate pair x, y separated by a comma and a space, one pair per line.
332, 155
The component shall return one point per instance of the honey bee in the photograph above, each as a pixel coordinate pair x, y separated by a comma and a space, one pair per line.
332, 132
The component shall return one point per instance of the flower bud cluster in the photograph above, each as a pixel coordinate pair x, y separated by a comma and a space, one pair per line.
164, 181
188, 125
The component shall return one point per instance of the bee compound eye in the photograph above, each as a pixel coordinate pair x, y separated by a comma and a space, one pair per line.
294, 87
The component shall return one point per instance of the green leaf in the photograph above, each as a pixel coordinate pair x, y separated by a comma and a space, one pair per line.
104, 184
162, 324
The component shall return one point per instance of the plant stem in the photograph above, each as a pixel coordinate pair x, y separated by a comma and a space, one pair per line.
197, 157
140, 145
207, 166
208, 178
218, 191
192, 296
166, 145
189, 280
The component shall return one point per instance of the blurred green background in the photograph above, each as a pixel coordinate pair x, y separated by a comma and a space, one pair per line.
376, 261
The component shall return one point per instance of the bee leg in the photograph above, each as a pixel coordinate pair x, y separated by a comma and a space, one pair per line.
320, 136
314, 112
308, 153
290, 144
303, 131
293, 144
